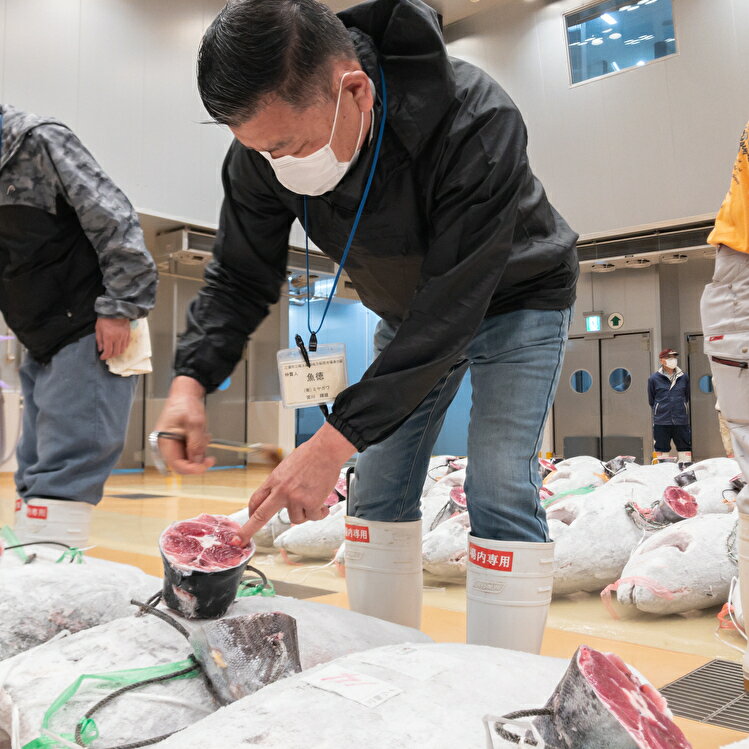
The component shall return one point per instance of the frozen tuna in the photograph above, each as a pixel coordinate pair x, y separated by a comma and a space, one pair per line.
202, 568
595, 534
600, 703
436, 504
42, 599
406, 696
32, 681
444, 549
575, 473
679, 568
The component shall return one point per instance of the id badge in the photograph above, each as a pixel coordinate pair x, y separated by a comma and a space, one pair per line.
319, 383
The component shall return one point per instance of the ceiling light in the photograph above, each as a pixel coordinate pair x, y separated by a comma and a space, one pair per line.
674, 259
615, 66
597, 42
608, 19
637, 262
602, 267
615, 35
640, 63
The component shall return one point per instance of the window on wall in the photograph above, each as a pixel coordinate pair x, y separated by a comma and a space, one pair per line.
614, 35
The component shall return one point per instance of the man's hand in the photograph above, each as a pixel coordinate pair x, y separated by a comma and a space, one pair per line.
184, 412
302, 482
112, 336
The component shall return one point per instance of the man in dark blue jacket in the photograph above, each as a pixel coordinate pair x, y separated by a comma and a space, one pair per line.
668, 395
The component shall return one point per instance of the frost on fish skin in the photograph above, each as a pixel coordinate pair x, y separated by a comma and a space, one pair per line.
690, 560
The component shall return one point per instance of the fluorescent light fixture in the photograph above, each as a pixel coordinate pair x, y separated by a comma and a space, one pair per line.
617, 35
597, 42
607, 18
615, 65
640, 63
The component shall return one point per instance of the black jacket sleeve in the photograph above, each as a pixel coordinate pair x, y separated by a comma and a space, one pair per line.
473, 215
243, 279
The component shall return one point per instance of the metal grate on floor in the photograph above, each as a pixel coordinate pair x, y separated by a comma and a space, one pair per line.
713, 693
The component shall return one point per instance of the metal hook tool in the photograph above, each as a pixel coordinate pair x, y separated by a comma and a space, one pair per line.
270, 452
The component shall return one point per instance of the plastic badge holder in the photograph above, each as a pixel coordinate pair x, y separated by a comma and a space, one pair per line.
303, 385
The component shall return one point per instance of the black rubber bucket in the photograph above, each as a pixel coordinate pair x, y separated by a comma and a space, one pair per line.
201, 595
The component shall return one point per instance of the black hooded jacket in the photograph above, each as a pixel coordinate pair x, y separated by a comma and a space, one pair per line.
456, 227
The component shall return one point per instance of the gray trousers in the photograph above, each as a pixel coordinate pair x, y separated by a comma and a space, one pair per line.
74, 424
725, 324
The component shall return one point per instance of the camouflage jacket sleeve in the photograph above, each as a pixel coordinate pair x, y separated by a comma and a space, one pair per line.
110, 223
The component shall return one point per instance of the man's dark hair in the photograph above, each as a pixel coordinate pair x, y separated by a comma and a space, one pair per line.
257, 49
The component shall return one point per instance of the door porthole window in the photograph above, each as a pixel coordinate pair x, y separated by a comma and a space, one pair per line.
706, 384
620, 380
581, 381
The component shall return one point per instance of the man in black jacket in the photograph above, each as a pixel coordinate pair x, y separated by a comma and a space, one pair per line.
459, 252
74, 274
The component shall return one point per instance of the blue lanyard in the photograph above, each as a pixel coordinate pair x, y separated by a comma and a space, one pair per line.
355, 226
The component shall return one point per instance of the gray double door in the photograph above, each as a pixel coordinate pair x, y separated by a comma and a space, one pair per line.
601, 408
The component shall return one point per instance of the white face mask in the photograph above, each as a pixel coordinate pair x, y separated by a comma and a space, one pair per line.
671, 363
319, 172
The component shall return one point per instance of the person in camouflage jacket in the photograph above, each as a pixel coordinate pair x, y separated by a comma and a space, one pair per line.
74, 273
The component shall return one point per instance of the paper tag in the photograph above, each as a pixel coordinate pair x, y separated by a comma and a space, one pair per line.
366, 690
309, 386
410, 661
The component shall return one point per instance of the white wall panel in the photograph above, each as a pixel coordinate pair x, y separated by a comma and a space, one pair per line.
121, 73
651, 144
40, 49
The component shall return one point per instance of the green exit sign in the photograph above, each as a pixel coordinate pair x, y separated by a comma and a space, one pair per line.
593, 322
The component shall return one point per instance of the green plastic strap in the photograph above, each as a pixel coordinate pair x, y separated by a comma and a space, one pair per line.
74, 555
247, 589
116, 679
12, 540
546, 503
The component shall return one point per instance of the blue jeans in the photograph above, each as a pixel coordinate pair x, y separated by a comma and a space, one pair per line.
515, 360
74, 424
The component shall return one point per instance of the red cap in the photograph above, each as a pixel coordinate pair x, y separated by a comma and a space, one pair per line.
667, 352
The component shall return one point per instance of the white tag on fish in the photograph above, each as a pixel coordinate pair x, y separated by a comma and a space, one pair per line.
409, 661
362, 688
303, 385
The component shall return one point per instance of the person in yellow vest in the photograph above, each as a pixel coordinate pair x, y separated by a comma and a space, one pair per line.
725, 323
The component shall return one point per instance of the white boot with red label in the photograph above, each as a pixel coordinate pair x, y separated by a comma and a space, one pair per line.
508, 592
384, 570
61, 520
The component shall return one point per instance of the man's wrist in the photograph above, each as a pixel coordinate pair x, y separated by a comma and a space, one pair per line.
334, 443
186, 386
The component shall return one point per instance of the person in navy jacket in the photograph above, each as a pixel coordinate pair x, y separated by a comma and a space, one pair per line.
668, 395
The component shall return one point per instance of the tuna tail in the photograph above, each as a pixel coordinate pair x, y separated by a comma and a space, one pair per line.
242, 654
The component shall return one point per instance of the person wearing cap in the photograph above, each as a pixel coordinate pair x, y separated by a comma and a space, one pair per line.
725, 324
668, 395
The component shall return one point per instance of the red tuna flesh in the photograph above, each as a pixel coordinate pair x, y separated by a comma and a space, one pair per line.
600, 703
675, 505
203, 543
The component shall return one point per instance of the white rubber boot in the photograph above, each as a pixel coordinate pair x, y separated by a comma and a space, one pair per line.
59, 520
508, 592
383, 570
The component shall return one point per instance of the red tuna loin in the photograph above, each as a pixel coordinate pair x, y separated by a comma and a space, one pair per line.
600, 703
675, 505
202, 544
